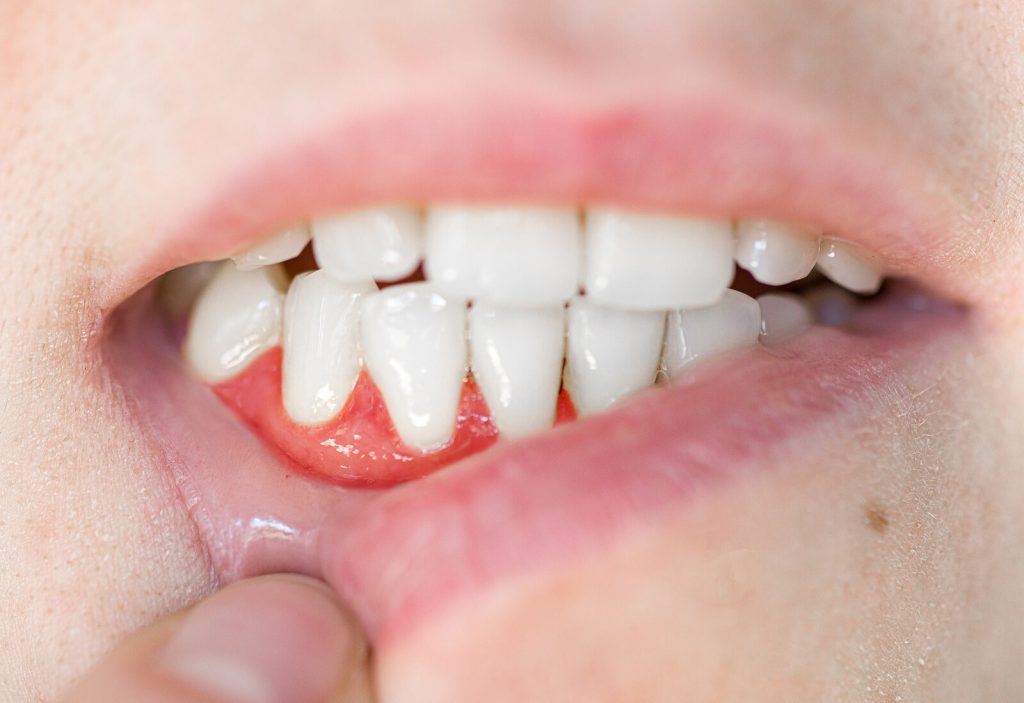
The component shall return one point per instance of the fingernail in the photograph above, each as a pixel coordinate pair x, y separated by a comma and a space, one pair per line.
268, 640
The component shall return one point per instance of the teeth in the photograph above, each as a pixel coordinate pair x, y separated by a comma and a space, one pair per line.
783, 316
381, 243
283, 246
517, 362
414, 345
511, 256
848, 266
774, 253
237, 318
732, 323
321, 345
647, 262
611, 353
619, 272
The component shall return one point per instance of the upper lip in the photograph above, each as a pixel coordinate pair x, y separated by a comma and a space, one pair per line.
700, 154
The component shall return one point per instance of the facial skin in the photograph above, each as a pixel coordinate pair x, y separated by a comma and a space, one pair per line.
879, 565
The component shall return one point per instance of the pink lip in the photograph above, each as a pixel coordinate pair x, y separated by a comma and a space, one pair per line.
701, 154
402, 555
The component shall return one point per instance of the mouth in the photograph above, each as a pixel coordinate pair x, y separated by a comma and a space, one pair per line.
526, 358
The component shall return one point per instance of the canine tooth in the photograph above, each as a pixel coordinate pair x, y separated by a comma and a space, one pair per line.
516, 356
848, 266
734, 322
237, 318
285, 245
832, 305
511, 256
414, 345
783, 316
654, 262
775, 254
611, 353
384, 243
321, 345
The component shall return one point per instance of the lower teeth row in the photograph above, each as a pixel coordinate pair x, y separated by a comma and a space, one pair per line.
418, 343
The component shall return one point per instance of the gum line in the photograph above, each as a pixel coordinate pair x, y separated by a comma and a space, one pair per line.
359, 447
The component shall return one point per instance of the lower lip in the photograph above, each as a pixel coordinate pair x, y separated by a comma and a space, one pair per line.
405, 554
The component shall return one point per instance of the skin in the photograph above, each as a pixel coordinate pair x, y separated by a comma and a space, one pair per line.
196, 656
896, 578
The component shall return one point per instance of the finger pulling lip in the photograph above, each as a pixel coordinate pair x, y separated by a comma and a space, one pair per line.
402, 555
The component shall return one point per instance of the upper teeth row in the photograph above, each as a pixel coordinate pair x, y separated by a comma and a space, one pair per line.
413, 338
543, 256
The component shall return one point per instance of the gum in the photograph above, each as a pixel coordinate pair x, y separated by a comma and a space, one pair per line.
359, 447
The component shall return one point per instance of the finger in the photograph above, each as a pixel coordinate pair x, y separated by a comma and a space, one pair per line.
267, 640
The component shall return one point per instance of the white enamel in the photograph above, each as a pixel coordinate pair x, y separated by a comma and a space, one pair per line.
525, 256
832, 305
848, 266
653, 262
783, 316
610, 353
774, 253
414, 346
321, 345
732, 323
237, 318
517, 363
384, 243
285, 245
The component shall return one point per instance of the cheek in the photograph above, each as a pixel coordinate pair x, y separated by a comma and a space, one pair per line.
807, 585
95, 542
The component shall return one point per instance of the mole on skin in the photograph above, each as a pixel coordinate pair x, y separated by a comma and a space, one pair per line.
877, 518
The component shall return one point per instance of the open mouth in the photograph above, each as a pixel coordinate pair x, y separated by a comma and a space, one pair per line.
415, 401
528, 317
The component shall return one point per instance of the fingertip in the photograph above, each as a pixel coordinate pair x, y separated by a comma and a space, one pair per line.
264, 640
269, 639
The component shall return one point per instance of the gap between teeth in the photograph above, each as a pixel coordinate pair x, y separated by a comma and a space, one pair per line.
527, 299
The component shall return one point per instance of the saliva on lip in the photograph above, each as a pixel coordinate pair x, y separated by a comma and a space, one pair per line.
527, 317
